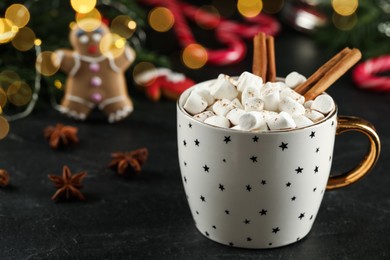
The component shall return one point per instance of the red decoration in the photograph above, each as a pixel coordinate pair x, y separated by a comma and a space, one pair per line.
366, 73
228, 32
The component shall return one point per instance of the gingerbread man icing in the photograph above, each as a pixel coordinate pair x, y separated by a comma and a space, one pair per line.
95, 79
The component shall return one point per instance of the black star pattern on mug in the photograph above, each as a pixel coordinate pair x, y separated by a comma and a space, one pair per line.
248, 188
293, 198
263, 212
248, 239
298, 238
185, 163
299, 170
312, 134
263, 182
314, 190
316, 169
185, 179
275, 230
207, 233
227, 212
311, 217
253, 158
196, 142
270, 244
179, 125
214, 227
227, 139
184, 142
332, 123
317, 149
224, 160
330, 157
202, 198
247, 221
221, 187
255, 139
190, 125
206, 168
283, 146
301, 216
231, 244
288, 184
197, 212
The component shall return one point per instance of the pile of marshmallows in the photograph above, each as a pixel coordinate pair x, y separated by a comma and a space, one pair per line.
248, 104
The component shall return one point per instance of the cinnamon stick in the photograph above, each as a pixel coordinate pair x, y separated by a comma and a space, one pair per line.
333, 73
271, 66
259, 66
316, 76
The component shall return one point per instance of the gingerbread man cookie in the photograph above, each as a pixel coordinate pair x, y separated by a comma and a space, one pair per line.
95, 79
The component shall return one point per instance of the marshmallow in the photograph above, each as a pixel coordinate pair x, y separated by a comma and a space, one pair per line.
205, 93
302, 121
268, 114
222, 107
282, 121
254, 104
237, 103
287, 92
289, 105
252, 121
294, 79
195, 104
236, 127
323, 104
204, 115
234, 115
250, 92
314, 115
271, 100
248, 79
223, 88
308, 103
218, 121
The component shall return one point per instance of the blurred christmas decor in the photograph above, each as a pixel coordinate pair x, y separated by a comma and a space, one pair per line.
174, 13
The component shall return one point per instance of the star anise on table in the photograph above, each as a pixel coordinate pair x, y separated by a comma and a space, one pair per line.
68, 185
61, 135
4, 178
123, 162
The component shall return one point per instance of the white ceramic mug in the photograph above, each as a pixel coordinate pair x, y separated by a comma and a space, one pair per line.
262, 190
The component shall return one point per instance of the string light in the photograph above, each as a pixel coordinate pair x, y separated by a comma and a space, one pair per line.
345, 7
83, 6
249, 8
24, 40
123, 25
89, 21
18, 14
194, 56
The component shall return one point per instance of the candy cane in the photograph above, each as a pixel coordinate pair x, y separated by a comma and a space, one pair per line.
365, 74
227, 32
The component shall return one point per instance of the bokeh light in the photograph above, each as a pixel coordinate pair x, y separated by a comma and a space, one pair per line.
161, 19
24, 39
249, 8
344, 23
4, 127
123, 25
226, 8
7, 30
210, 24
194, 56
3, 98
112, 44
37, 42
19, 93
345, 7
272, 6
45, 63
18, 14
58, 84
144, 71
89, 21
83, 6
7, 77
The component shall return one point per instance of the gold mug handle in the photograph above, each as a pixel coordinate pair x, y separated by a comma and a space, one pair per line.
350, 123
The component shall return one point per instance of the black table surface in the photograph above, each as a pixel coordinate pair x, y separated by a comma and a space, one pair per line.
147, 216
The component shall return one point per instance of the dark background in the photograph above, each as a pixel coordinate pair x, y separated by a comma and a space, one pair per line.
147, 216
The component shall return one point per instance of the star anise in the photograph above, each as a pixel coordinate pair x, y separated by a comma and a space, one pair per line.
124, 161
4, 178
68, 185
61, 135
